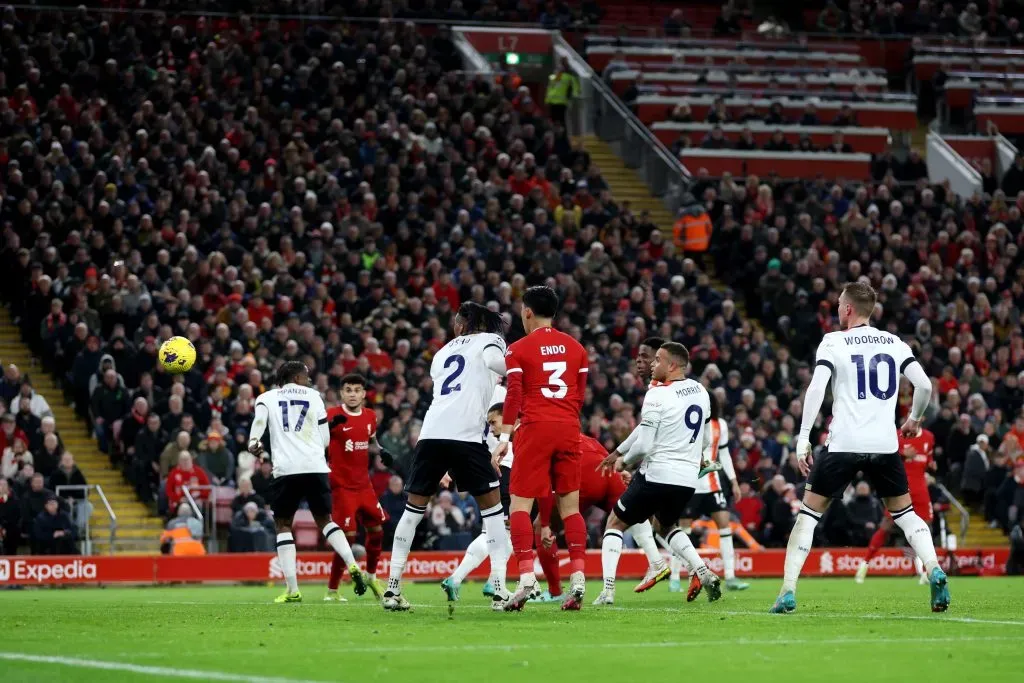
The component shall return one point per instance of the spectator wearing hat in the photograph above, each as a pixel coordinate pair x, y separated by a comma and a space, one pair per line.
216, 460
53, 532
972, 483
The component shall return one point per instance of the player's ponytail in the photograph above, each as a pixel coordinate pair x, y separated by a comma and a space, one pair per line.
481, 319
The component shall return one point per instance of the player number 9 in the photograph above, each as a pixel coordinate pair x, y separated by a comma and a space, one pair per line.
694, 418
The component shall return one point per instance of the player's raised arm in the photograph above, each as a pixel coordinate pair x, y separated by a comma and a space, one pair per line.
813, 398
922, 395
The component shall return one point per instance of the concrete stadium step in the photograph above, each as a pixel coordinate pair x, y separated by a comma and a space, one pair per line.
138, 529
978, 533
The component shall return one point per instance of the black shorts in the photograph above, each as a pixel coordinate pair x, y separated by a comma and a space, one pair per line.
643, 500
469, 464
287, 492
833, 472
706, 504
506, 497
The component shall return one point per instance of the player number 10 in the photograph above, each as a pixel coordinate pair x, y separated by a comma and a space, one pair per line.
872, 376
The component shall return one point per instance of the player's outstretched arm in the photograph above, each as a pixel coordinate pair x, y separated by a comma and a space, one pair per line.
813, 399
922, 396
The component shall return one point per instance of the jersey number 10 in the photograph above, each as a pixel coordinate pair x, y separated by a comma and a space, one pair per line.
872, 376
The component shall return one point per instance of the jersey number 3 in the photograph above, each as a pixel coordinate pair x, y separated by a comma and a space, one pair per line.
872, 376
555, 380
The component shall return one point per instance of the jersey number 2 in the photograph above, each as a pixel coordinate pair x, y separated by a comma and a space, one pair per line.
555, 380
872, 376
304, 405
460, 364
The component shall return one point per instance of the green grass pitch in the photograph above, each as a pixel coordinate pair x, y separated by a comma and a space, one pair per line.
879, 631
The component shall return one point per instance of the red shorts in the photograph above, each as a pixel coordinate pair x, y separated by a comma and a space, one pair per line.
922, 503
547, 458
601, 491
352, 507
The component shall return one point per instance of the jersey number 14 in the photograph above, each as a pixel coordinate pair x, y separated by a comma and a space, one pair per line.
871, 371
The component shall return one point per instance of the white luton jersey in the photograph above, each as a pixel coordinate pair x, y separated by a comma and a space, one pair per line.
717, 451
866, 365
294, 415
463, 387
499, 397
679, 412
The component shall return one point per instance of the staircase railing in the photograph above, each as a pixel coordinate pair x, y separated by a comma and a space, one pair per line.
209, 522
965, 516
604, 115
87, 528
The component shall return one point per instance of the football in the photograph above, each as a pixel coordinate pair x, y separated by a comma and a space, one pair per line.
177, 355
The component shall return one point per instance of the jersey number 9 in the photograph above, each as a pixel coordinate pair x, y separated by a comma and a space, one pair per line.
694, 418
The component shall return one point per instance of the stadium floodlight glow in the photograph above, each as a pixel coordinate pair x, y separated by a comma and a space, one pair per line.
512, 58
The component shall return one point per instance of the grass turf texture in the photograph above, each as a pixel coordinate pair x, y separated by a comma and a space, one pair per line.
879, 631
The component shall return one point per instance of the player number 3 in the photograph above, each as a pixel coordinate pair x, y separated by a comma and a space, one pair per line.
557, 369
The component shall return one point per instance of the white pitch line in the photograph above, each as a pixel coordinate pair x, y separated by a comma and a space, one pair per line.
893, 617
169, 672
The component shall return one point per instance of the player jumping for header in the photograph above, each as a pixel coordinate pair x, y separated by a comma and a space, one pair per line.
864, 365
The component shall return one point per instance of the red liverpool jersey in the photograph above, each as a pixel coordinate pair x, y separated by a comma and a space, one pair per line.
923, 447
350, 448
547, 376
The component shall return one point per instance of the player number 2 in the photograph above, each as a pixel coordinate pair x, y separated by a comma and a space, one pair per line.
557, 369
694, 418
871, 371
304, 408
460, 364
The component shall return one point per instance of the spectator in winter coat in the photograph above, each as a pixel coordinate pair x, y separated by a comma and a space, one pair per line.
960, 439
68, 474
972, 484
53, 532
217, 460
9, 431
33, 500
185, 474
47, 458
246, 494
148, 445
863, 513
169, 457
109, 403
10, 519
37, 403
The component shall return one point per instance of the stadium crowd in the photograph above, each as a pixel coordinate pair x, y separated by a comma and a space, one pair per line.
332, 196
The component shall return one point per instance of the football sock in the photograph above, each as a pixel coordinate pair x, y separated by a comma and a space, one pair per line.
337, 569
496, 544
728, 554
374, 544
548, 558
799, 546
676, 564
682, 545
611, 548
918, 566
576, 539
286, 556
336, 539
405, 532
919, 536
878, 540
522, 544
475, 555
643, 534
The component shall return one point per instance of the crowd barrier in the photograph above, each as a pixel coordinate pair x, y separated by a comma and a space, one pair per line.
434, 566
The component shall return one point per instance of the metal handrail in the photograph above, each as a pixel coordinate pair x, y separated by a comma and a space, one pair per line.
209, 531
86, 489
965, 516
192, 504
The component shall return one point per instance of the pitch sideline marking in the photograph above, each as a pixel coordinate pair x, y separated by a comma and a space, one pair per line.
169, 672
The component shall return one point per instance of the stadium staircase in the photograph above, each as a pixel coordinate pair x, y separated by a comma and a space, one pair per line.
138, 529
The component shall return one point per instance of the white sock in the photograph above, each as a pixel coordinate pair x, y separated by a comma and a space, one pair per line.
475, 555
643, 534
405, 532
286, 556
918, 566
919, 536
728, 554
799, 546
498, 543
682, 546
675, 564
337, 541
611, 549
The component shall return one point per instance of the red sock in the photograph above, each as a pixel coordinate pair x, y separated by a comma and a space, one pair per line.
521, 529
337, 569
878, 539
576, 539
374, 542
549, 563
